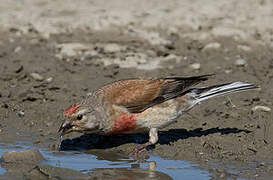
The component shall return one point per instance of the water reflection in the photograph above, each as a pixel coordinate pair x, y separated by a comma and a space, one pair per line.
101, 164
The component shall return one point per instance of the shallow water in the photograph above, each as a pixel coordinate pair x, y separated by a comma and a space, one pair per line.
85, 163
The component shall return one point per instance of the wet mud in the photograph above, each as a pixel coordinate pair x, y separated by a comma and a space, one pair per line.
39, 79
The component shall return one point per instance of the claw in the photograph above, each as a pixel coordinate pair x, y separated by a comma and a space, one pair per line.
139, 149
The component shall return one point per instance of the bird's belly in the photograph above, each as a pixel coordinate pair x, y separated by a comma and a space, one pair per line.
159, 116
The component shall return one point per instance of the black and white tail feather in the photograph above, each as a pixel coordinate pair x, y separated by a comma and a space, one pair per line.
200, 94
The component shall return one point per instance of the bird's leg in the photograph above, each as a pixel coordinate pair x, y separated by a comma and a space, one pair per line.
153, 138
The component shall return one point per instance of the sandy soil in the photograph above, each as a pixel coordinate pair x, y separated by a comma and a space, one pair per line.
52, 57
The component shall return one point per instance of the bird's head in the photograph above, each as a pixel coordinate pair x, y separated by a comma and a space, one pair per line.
79, 118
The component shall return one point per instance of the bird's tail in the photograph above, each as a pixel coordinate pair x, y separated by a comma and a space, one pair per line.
201, 94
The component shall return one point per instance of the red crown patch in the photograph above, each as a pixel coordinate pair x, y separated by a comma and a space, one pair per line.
71, 109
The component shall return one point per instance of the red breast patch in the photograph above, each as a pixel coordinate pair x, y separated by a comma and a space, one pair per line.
124, 123
71, 109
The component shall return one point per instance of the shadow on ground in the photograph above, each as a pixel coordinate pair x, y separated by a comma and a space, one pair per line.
95, 141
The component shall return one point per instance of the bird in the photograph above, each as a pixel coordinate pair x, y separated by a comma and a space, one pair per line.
141, 105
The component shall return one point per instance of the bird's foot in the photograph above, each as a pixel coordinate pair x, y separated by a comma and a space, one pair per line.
139, 149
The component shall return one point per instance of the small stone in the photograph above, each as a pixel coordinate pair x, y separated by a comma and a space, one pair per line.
171, 57
240, 62
89, 55
228, 71
172, 31
71, 49
151, 53
244, 47
11, 40
34, 41
18, 34
21, 113
17, 49
49, 80
195, 66
262, 164
213, 45
261, 108
59, 56
19, 69
222, 175
112, 48
25, 156
46, 35
37, 76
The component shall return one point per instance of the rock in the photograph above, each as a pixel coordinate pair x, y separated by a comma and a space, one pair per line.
19, 68
49, 80
71, 49
228, 71
172, 31
11, 40
90, 54
228, 32
240, 62
34, 41
37, 76
152, 37
171, 57
112, 48
25, 156
21, 113
133, 60
243, 47
17, 49
195, 66
43, 171
261, 108
213, 45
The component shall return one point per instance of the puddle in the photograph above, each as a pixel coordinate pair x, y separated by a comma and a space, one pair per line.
86, 163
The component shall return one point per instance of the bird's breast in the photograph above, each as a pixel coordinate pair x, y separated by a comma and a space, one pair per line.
124, 123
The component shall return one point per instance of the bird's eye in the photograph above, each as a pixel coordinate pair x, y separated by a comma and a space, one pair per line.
79, 117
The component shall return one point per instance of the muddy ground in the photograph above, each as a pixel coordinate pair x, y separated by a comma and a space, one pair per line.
52, 54
223, 130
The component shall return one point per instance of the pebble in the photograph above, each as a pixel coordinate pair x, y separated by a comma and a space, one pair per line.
21, 113
240, 62
49, 80
34, 41
37, 76
46, 35
29, 155
213, 45
244, 47
71, 49
18, 68
195, 66
172, 30
90, 54
17, 49
228, 71
173, 57
262, 108
11, 40
112, 48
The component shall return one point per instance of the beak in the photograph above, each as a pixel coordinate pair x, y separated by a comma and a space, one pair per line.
65, 127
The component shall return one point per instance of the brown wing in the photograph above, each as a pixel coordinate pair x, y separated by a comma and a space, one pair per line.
139, 94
